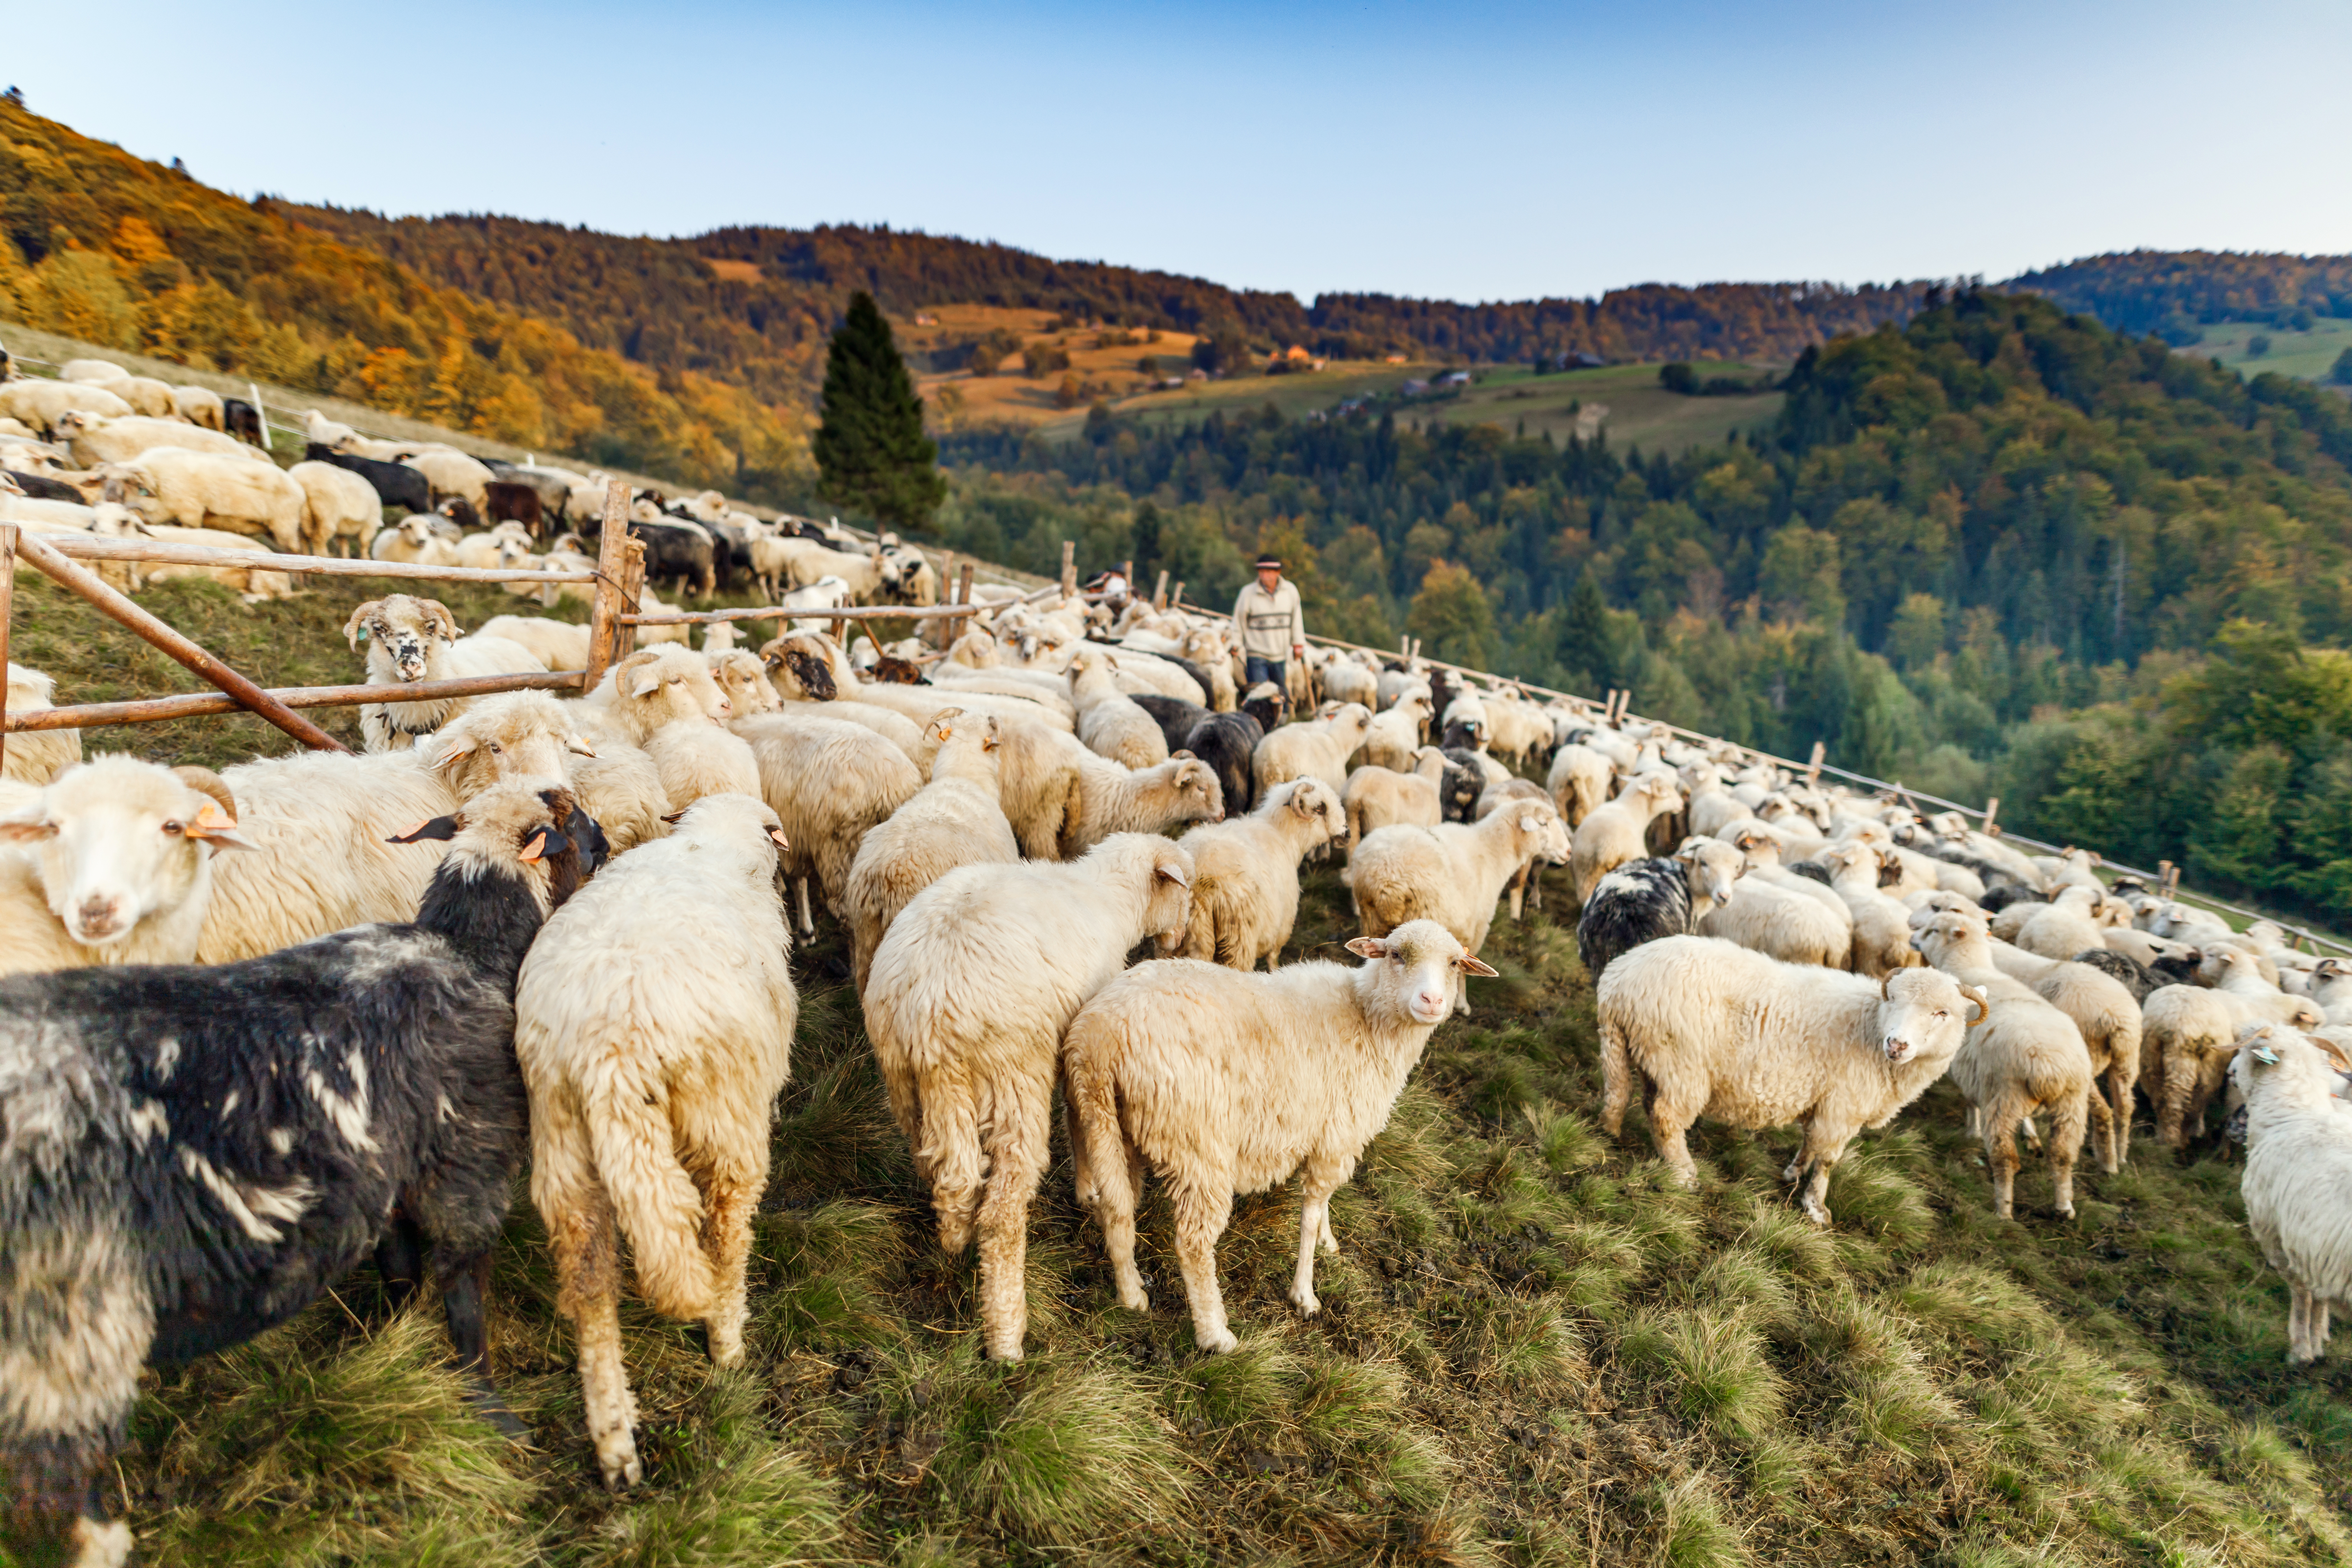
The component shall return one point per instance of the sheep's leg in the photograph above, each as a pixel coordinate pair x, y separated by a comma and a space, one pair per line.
2067, 1120
400, 1258
2298, 1326
586, 1244
1669, 1124
1616, 1079
2032, 1135
1107, 1174
463, 1287
1017, 1156
1201, 1216
808, 926
2102, 1128
1519, 891
1316, 1183
1795, 1168
1328, 1242
728, 1198
2001, 1123
2178, 1087
2119, 1097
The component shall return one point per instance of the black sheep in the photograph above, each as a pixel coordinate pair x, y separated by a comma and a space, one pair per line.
1176, 718
2138, 978
39, 487
191, 1155
1227, 743
504, 501
242, 420
1999, 899
1640, 901
395, 484
1465, 782
1268, 704
680, 552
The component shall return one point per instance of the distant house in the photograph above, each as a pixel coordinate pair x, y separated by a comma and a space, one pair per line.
1454, 378
924, 320
1581, 359
1393, 359
1196, 373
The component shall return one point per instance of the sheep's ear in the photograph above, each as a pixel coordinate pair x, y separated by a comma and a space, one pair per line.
215, 827
356, 627
442, 827
1368, 946
442, 750
644, 681
579, 746
1469, 966
20, 831
1174, 873
1976, 993
672, 818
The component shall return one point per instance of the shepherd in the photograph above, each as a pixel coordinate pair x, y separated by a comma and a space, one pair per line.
1272, 625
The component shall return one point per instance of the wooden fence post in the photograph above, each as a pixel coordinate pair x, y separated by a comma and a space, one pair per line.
1176, 599
1160, 594
1814, 766
7, 607
605, 629
1992, 809
1069, 568
80, 580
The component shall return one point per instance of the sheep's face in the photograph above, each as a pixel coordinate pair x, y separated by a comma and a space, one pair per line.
118, 840
1948, 935
669, 685
1757, 849
2275, 1062
1922, 1012
1419, 965
522, 735
1710, 868
1312, 802
1168, 906
1199, 797
402, 633
744, 681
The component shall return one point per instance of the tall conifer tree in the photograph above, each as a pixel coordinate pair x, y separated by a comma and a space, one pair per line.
871, 452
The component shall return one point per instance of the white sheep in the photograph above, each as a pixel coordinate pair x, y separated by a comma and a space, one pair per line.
1224, 1083
1111, 799
966, 1003
91, 371
37, 756
559, 644
199, 405
1723, 1032
488, 548
1315, 748
2026, 1057
1394, 737
957, 819
2101, 1006
38, 403
2297, 1184
413, 540
654, 1022
1109, 723
95, 439
1617, 831
449, 473
2186, 1035
2067, 926
831, 783
110, 862
411, 639
321, 431
1450, 873
253, 584
1578, 782
210, 489
694, 758
1245, 874
337, 504
1881, 941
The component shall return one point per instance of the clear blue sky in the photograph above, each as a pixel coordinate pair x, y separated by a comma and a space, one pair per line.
1469, 151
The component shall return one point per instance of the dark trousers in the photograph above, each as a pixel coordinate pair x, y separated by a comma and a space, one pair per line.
1255, 669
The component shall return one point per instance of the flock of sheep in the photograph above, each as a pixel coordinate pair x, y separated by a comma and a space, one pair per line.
258, 1024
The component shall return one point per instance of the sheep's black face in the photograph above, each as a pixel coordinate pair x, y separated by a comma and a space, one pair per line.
407, 649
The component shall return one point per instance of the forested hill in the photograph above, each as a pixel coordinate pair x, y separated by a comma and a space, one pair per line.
752, 305
2174, 291
2001, 543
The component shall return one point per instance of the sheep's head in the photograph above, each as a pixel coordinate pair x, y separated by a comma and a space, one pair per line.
1352, 718
1315, 802
800, 666
117, 839
1168, 897
115, 520
1925, 1011
532, 826
404, 632
1541, 830
1710, 867
75, 422
744, 679
1948, 935
1416, 968
2276, 1062
668, 684
976, 649
1198, 796
1659, 790
515, 735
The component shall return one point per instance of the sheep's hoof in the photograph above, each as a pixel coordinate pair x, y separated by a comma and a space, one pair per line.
1816, 1211
1135, 1300
101, 1545
483, 1395
621, 1469
1307, 1302
1217, 1343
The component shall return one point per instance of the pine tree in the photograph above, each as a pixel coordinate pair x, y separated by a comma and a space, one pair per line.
871, 452
1584, 649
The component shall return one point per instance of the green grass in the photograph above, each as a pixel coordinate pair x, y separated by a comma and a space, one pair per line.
2309, 355
1532, 1351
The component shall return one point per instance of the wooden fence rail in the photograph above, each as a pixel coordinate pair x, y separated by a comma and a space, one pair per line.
197, 704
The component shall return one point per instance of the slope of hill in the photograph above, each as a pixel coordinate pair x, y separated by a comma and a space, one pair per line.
2159, 290
100, 246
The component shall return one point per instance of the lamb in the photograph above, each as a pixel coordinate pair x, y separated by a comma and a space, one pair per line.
1378, 797
94, 440
198, 405
1881, 925
1721, 1032
1111, 799
37, 756
113, 865
966, 1003
1319, 747
1109, 723
2103, 1010
831, 783
1394, 737
338, 505
209, 490
955, 820
1615, 832
411, 639
2066, 927
1225, 1083
413, 540
1245, 874
653, 1026
197, 1154
2297, 1183
1578, 783
1450, 873
2028, 1056
489, 548
319, 823
1645, 900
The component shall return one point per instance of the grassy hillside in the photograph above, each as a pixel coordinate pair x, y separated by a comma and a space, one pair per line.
2308, 354
1531, 1352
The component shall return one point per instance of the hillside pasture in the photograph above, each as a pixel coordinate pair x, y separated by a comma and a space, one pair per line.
2306, 355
